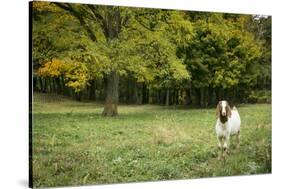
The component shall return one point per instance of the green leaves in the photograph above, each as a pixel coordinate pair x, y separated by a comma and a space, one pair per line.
161, 48
220, 52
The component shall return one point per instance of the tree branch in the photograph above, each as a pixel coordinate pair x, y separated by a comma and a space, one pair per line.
95, 12
79, 17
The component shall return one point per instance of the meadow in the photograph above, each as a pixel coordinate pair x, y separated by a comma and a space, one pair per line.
72, 144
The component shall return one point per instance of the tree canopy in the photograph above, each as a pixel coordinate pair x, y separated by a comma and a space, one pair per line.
140, 55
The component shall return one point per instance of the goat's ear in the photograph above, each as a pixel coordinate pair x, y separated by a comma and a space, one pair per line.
228, 110
218, 110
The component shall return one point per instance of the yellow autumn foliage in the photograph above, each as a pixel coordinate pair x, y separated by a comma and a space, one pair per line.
53, 68
75, 73
77, 76
44, 6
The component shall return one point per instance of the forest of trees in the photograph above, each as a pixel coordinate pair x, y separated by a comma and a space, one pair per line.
140, 56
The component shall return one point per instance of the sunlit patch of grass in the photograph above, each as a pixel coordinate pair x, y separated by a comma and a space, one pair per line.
74, 145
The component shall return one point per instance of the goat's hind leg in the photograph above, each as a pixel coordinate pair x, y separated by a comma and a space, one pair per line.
238, 141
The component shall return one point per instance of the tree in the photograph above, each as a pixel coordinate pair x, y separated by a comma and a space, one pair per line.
139, 55
220, 56
114, 42
166, 30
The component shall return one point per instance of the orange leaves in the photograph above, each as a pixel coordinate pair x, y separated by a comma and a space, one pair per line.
75, 73
53, 68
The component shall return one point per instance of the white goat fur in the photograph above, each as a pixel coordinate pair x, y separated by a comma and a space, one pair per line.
230, 127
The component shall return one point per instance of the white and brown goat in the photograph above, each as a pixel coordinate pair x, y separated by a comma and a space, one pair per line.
228, 123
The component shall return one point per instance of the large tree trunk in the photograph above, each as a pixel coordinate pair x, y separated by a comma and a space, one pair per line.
111, 30
111, 101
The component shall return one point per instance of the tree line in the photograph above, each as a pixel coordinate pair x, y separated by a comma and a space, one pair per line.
140, 55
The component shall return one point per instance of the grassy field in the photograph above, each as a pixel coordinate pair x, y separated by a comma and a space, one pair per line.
74, 145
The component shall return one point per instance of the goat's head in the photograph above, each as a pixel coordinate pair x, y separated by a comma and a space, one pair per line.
223, 110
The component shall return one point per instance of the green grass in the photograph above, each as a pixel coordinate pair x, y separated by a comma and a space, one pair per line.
74, 145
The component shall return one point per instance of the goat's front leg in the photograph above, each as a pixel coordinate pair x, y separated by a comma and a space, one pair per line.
220, 146
225, 145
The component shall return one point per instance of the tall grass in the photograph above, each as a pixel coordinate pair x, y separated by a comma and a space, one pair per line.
74, 145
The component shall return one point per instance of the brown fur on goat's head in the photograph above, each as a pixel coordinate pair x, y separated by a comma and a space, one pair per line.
223, 111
